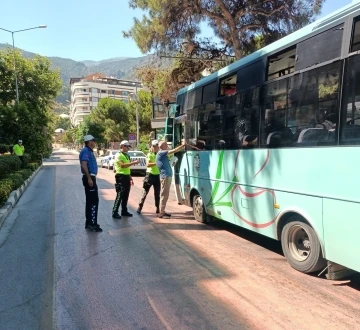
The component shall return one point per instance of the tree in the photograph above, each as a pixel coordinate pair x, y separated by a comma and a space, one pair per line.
30, 119
68, 137
64, 123
38, 85
158, 81
144, 102
174, 25
19, 122
88, 126
115, 118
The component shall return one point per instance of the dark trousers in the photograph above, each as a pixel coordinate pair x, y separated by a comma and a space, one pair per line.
22, 160
92, 201
122, 187
151, 180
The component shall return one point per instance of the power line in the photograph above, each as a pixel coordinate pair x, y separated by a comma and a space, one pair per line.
194, 59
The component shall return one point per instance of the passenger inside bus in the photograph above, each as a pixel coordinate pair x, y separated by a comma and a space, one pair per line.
323, 121
276, 133
246, 129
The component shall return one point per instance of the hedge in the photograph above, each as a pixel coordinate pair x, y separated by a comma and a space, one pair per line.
15, 176
5, 190
8, 164
32, 166
4, 148
26, 160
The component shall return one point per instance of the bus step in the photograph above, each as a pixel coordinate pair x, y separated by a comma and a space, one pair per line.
338, 272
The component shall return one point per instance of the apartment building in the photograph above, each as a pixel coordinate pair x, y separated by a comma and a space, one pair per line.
87, 91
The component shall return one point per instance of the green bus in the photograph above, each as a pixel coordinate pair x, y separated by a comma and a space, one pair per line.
273, 144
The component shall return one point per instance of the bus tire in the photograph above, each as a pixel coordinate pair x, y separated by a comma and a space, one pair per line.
199, 209
301, 246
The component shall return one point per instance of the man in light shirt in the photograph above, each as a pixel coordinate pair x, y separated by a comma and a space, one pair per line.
163, 163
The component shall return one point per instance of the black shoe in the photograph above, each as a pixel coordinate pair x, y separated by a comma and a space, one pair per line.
168, 214
116, 216
138, 211
126, 214
95, 228
157, 210
89, 225
164, 216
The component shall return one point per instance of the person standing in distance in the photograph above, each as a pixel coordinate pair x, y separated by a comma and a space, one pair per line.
18, 150
152, 178
89, 170
123, 180
163, 163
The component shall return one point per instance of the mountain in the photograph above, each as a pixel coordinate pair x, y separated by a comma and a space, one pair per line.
90, 63
119, 67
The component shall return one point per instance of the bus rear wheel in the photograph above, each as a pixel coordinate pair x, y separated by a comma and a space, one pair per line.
301, 246
199, 209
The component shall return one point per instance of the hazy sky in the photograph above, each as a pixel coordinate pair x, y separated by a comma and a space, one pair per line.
80, 30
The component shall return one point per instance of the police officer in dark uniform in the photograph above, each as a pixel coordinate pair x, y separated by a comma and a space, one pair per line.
89, 170
152, 178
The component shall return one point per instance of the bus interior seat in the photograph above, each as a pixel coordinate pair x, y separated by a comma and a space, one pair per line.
313, 135
274, 139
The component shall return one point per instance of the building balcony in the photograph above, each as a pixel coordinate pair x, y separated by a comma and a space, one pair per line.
82, 113
79, 94
81, 104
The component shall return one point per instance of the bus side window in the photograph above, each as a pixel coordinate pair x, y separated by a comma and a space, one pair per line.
274, 131
313, 102
350, 113
247, 119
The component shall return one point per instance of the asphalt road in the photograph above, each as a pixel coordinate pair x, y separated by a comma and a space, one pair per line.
149, 273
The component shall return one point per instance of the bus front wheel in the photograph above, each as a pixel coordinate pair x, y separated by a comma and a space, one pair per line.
301, 246
199, 209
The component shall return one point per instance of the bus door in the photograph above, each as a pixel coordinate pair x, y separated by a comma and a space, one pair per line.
169, 128
181, 168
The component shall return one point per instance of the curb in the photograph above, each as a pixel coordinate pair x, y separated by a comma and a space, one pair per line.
15, 196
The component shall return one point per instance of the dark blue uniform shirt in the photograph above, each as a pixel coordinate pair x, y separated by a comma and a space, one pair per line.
86, 154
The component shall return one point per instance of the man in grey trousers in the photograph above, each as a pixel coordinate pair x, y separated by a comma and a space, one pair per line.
163, 163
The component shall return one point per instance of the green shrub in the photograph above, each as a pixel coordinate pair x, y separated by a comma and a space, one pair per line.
5, 190
26, 159
12, 182
9, 164
16, 179
25, 173
32, 166
144, 147
5, 148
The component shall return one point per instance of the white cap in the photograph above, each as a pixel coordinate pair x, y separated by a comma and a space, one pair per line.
125, 143
89, 138
155, 143
20, 141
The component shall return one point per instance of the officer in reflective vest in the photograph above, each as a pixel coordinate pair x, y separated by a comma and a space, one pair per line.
152, 178
123, 180
19, 150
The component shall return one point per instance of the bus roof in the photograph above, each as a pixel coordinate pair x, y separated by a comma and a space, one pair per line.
277, 45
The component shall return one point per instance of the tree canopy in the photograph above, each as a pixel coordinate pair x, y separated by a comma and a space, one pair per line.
175, 25
174, 28
30, 119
